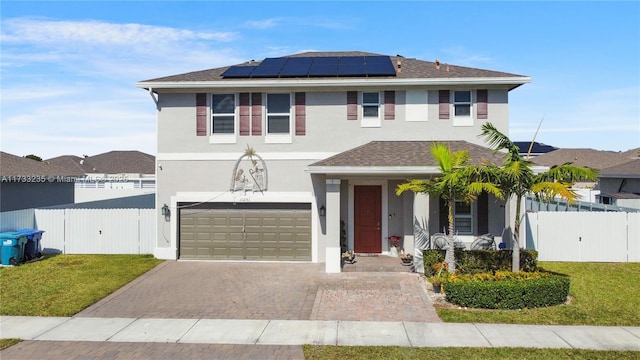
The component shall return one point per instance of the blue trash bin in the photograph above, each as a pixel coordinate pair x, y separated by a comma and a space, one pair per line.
32, 249
12, 248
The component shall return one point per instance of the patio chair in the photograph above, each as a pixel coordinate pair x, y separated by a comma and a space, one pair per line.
484, 242
439, 241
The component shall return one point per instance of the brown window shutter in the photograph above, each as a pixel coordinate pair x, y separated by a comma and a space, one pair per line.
389, 105
256, 114
352, 105
443, 212
483, 213
481, 105
245, 121
201, 114
301, 99
444, 104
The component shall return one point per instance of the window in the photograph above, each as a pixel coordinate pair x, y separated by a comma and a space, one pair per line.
462, 108
462, 219
370, 104
278, 113
371, 109
223, 109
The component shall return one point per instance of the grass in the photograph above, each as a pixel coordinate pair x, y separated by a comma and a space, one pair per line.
64, 285
312, 352
5, 343
602, 294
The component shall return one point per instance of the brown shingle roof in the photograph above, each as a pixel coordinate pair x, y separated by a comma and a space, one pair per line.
405, 153
12, 165
411, 69
112, 162
627, 169
595, 159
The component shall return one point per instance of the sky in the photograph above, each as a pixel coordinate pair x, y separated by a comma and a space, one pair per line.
68, 70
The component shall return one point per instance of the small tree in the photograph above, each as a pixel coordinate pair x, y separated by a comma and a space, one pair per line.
456, 181
517, 178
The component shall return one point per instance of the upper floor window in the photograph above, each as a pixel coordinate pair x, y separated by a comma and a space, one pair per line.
278, 118
370, 104
462, 108
371, 109
278, 113
223, 109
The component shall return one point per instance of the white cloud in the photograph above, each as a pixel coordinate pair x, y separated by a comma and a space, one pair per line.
97, 33
263, 24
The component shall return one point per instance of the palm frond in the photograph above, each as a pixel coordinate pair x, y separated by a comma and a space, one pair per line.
549, 190
499, 141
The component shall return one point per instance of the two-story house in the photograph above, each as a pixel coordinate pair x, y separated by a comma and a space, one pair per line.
292, 158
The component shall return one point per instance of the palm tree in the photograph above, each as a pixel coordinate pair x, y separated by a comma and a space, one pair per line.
457, 181
518, 179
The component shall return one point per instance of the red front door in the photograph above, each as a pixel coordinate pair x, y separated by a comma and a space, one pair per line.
367, 219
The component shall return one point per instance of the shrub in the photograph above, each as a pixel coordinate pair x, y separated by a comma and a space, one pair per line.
479, 261
507, 290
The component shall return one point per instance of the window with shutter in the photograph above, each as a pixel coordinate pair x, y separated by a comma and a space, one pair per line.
389, 105
300, 113
201, 114
443, 100
482, 104
352, 105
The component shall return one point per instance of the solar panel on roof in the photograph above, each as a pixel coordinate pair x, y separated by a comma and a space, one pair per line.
379, 65
323, 69
296, 67
330, 60
266, 71
351, 60
322, 66
238, 71
354, 69
273, 62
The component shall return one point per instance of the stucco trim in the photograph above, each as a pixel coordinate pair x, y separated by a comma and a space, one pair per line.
235, 155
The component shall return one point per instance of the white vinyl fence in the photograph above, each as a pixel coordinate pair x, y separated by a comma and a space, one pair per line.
88, 231
584, 236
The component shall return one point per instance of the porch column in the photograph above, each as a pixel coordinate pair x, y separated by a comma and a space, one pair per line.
332, 258
421, 229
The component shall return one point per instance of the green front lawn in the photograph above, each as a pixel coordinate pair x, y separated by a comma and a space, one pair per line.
602, 294
63, 285
405, 353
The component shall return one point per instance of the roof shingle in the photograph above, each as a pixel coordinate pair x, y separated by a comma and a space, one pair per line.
406, 153
411, 68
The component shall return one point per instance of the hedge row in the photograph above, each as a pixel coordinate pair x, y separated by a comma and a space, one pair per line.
540, 290
480, 261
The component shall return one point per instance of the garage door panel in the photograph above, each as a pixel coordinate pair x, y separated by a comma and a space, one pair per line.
252, 234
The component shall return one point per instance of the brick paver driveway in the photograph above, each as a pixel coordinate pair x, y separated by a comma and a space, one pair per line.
270, 291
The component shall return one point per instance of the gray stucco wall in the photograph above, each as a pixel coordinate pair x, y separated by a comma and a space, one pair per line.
327, 129
19, 195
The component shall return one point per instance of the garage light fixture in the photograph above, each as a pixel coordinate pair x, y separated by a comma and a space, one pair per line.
165, 210
323, 211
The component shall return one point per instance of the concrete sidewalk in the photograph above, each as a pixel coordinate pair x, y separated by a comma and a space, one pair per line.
299, 332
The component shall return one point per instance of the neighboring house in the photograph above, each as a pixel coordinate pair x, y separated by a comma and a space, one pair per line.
113, 174
265, 160
27, 183
526, 149
620, 185
595, 159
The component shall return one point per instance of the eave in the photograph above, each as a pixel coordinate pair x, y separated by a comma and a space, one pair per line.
334, 82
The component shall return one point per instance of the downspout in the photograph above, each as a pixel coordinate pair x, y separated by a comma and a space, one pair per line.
153, 97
